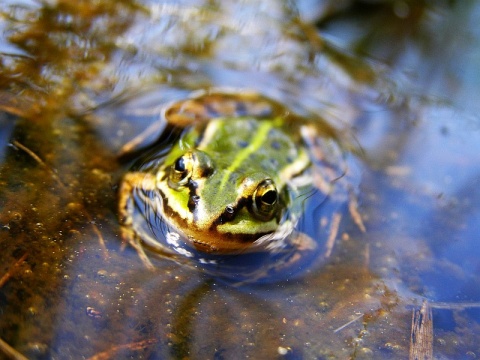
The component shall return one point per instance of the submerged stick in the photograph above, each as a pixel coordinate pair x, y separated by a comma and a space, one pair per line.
336, 218
348, 323
421, 339
10, 352
110, 354
455, 306
12, 269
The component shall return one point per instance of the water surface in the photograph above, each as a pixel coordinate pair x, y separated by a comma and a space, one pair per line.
79, 80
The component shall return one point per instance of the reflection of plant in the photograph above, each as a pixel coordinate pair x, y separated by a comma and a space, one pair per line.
387, 27
60, 47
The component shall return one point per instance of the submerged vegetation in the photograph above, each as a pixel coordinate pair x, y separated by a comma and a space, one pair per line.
78, 80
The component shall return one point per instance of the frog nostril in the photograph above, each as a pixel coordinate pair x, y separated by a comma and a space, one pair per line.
193, 201
228, 214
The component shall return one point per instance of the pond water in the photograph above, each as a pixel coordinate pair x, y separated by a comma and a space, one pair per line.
81, 79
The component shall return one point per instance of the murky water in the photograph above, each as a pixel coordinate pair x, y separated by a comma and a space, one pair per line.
80, 79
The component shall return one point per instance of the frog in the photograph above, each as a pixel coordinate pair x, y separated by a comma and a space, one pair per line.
233, 182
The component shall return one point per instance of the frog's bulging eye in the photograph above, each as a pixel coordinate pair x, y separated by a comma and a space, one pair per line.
179, 165
192, 165
265, 199
181, 170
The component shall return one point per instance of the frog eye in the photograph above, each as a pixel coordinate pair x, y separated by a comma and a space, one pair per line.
265, 199
192, 165
181, 170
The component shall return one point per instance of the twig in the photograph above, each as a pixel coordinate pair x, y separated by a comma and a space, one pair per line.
11, 270
348, 323
454, 306
354, 213
109, 354
421, 339
10, 352
336, 218
367, 255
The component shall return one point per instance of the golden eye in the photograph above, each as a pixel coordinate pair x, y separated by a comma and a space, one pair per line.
265, 200
181, 170
192, 165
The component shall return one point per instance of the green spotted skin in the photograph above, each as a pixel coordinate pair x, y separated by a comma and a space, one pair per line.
237, 183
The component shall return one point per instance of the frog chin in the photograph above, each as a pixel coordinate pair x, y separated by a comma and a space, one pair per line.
232, 240
275, 241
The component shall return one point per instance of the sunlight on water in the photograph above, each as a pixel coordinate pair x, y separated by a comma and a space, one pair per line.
394, 81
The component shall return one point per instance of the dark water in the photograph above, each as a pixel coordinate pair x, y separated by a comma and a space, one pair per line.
79, 80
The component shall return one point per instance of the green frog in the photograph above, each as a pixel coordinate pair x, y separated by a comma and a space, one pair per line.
235, 180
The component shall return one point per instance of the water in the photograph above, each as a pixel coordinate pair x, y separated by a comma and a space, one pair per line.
78, 81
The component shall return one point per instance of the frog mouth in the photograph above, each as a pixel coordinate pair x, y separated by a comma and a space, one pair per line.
204, 247
228, 244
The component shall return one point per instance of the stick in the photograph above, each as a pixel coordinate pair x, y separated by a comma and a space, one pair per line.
421, 339
10, 352
11, 270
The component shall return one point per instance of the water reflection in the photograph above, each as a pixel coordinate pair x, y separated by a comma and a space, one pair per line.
80, 79
176, 312
43, 42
